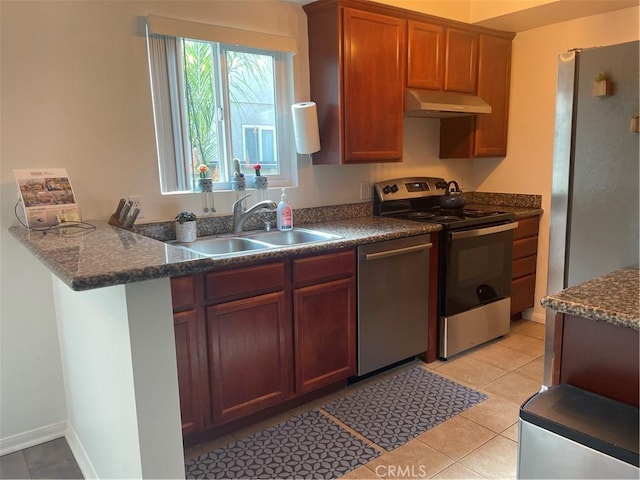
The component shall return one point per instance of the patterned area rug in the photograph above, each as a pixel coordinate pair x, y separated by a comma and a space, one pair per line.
306, 446
395, 410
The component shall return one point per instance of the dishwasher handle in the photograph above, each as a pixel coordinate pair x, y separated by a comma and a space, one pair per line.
396, 251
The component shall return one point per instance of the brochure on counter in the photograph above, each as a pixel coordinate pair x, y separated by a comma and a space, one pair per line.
47, 196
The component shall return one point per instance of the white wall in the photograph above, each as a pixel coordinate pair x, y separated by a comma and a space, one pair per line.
75, 94
528, 165
121, 383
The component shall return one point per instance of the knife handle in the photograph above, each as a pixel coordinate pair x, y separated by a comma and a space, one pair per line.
119, 209
125, 212
132, 218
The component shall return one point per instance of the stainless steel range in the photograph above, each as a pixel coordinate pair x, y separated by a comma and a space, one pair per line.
474, 271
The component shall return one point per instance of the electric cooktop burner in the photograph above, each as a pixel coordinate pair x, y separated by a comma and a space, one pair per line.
447, 218
420, 215
418, 199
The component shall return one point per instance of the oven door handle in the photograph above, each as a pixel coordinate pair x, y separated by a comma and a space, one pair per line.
483, 231
397, 251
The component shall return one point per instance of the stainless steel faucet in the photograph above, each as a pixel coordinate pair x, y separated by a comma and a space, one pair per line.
240, 215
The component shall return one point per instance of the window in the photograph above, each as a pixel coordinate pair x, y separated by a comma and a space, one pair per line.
214, 103
259, 146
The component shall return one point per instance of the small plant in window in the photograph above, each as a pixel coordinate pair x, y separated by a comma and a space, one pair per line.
203, 171
257, 168
237, 172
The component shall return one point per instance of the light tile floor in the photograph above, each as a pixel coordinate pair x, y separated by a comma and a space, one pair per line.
480, 442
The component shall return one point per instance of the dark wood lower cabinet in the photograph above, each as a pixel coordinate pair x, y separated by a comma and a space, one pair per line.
525, 250
325, 334
187, 327
249, 355
597, 357
251, 339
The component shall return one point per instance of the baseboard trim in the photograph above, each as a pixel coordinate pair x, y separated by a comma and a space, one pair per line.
534, 316
32, 437
538, 317
80, 454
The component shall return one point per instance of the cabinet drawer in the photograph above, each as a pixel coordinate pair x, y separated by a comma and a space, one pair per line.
522, 293
527, 227
525, 247
524, 266
183, 291
245, 282
323, 267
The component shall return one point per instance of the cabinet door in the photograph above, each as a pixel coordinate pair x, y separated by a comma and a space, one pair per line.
373, 81
425, 55
325, 333
192, 385
494, 73
461, 61
250, 355
483, 135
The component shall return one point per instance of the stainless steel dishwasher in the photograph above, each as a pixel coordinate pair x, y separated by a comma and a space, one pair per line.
393, 301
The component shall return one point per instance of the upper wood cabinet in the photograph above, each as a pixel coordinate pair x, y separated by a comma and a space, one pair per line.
494, 75
425, 55
440, 58
461, 61
362, 56
357, 71
483, 135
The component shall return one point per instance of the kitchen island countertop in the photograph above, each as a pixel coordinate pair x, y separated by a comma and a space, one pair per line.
613, 298
110, 256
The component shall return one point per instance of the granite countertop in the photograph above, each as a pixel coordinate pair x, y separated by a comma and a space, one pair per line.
110, 256
518, 212
613, 298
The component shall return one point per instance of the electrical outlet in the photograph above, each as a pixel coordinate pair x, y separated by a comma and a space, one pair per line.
136, 201
366, 191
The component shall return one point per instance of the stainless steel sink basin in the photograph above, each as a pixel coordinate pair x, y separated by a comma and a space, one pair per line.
292, 237
249, 242
224, 246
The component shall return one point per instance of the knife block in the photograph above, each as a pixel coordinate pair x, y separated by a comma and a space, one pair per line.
116, 223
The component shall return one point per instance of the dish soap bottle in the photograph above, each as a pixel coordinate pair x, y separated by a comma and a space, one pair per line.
284, 214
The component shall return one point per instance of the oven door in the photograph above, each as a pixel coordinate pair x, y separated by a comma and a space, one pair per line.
477, 267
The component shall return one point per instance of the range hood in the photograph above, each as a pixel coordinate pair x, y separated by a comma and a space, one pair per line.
438, 104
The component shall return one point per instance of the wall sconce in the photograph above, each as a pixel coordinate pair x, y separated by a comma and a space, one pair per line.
305, 127
602, 86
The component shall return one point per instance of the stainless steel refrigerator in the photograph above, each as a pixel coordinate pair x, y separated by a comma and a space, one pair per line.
594, 199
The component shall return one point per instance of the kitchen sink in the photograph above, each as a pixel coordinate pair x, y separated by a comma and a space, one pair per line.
293, 237
249, 242
224, 246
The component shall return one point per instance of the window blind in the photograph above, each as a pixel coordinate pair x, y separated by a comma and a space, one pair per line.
215, 33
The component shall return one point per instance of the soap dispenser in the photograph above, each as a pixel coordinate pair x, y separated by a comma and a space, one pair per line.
284, 214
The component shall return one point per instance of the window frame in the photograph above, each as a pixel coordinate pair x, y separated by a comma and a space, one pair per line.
282, 128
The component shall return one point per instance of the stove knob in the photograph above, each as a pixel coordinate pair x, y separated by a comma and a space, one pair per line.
386, 190
394, 188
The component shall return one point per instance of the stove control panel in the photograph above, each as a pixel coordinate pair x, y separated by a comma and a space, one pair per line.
406, 188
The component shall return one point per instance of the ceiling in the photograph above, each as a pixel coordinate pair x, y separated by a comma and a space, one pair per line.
535, 13
553, 12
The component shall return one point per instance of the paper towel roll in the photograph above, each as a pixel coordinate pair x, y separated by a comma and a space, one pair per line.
305, 127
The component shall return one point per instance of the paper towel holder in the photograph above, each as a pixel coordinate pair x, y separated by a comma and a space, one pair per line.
305, 128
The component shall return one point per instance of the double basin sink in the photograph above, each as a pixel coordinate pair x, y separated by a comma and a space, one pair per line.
251, 242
